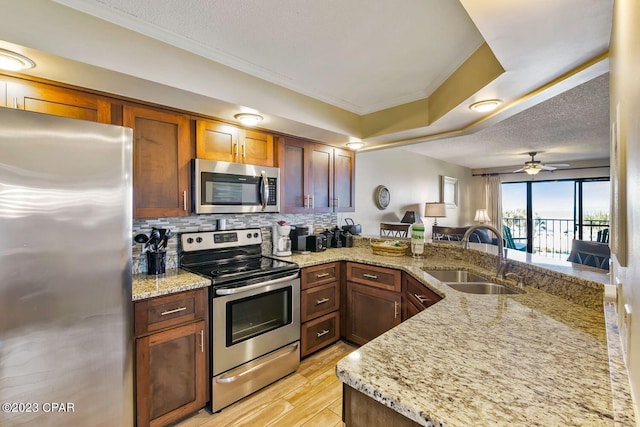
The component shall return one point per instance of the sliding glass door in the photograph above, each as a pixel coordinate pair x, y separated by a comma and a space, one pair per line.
548, 215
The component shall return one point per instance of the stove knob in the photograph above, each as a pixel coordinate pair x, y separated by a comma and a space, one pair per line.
248, 235
190, 240
199, 239
255, 235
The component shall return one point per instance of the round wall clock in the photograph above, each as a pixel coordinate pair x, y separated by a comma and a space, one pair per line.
382, 197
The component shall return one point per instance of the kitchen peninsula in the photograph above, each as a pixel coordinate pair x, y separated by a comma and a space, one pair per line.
524, 359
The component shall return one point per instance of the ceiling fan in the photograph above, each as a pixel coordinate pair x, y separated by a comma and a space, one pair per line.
533, 166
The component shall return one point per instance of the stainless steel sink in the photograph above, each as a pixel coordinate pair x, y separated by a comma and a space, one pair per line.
484, 288
456, 276
471, 283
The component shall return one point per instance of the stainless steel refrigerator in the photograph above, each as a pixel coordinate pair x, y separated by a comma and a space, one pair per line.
66, 354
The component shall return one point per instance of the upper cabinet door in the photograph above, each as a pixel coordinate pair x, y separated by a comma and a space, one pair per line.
257, 148
217, 141
321, 167
294, 176
344, 186
161, 156
48, 99
221, 141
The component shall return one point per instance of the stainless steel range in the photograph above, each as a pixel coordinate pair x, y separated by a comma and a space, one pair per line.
254, 311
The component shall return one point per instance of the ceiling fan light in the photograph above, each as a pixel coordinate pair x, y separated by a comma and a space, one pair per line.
532, 171
12, 61
248, 119
485, 106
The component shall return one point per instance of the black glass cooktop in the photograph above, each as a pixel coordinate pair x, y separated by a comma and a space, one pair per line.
250, 270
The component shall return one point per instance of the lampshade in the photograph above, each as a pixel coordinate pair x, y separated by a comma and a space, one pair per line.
410, 217
482, 216
435, 210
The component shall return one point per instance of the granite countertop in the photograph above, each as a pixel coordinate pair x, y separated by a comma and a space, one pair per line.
524, 359
174, 280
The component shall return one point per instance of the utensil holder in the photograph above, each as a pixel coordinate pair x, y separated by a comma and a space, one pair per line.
156, 262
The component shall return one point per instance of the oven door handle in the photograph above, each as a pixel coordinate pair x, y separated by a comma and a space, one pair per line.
232, 376
232, 291
264, 190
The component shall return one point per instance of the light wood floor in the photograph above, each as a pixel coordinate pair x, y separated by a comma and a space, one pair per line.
311, 396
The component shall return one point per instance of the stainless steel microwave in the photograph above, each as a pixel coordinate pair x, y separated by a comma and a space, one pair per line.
224, 187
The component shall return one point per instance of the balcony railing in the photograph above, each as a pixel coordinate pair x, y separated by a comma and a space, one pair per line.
552, 236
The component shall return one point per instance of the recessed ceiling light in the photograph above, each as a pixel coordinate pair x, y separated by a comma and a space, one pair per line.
355, 145
248, 119
485, 106
12, 61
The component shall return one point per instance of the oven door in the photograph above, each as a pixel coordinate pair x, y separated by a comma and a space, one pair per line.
223, 187
251, 321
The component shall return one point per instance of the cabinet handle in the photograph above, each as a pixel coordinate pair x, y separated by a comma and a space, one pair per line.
319, 334
184, 200
313, 202
15, 102
234, 150
396, 304
305, 204
202, 340
421, 298
176, 310
244, 150
370, 276
321, 275
321, 301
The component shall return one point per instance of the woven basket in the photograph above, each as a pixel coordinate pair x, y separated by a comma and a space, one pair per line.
389, 248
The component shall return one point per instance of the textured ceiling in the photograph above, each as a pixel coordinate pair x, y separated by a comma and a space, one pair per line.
360, 55
323, 70
569, 127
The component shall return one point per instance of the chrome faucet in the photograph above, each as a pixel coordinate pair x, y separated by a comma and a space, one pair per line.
501, 261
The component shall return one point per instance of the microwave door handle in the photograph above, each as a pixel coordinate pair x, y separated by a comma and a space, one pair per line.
264, 190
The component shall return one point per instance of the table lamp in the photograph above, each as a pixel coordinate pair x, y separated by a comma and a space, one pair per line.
482, 216
435, 210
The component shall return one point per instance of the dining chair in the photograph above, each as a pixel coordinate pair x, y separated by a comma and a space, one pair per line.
394, 230
594, 254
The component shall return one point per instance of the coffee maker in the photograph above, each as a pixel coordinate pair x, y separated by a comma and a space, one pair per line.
281, 240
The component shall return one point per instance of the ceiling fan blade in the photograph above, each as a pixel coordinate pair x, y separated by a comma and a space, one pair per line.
559, 165
519, 170
548, 168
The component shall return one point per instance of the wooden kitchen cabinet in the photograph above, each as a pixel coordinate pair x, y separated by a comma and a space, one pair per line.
161, 156
315, 177
55, 100
228, 143
319, 306
374, 301
417, 296
171, 357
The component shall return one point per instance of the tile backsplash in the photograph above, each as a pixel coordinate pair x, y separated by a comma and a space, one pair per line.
264, 221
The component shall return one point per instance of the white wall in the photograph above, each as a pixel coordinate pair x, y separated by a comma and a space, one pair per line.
412, 180
624, 112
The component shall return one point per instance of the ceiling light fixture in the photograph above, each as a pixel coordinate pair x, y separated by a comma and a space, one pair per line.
355, 145
485, 106
248, 119
12, 61
532, 170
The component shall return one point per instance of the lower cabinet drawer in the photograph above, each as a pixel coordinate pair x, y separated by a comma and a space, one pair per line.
320, 332
319, 300
163, 312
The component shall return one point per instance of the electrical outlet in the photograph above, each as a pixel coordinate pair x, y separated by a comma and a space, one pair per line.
626, 331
